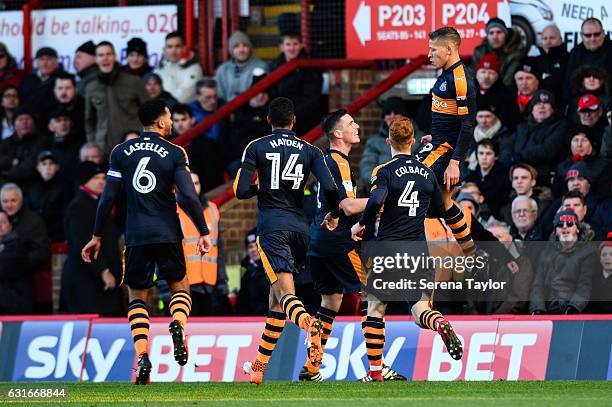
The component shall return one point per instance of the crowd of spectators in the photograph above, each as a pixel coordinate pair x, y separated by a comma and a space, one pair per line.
538, 168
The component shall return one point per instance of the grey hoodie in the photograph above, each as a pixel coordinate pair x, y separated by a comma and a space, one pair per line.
234, 78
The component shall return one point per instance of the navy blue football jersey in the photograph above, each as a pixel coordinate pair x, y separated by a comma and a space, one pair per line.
453, 109
283, 163
147, 166
325, 243
408, 192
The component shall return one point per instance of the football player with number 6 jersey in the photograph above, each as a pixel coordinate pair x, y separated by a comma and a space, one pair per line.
149, 167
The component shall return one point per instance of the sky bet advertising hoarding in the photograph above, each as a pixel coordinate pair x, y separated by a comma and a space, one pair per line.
505, 348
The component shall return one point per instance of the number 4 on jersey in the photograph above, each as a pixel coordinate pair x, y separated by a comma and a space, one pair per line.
291, 172
409, 199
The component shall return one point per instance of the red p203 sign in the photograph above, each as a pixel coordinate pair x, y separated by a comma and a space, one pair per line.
396, 29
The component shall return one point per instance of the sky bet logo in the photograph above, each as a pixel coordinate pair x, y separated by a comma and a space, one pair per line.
53, 351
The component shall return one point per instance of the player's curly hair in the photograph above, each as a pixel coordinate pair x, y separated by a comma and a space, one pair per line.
401, 132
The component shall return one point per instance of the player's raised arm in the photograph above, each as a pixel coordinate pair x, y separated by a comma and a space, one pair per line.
378, 194
328, 186
243, 188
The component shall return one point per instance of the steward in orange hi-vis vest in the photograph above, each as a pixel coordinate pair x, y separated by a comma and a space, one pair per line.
201, 269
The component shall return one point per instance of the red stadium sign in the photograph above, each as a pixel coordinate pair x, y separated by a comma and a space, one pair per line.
492, 350
395, 29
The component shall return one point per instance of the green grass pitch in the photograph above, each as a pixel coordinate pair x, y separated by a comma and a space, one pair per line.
558, 393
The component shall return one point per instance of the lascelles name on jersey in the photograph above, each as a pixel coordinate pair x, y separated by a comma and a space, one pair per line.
156, 148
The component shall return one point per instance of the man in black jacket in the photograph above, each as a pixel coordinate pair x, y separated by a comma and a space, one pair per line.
253, 281
15, 285
302, 86
563, 277
595, 49
36, 90
90, 288
28, 225
552, 60
49, 195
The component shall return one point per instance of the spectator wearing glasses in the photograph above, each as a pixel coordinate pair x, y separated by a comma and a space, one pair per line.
591, 114
595, 50
10, 74
563, 277
208, 102
524, 218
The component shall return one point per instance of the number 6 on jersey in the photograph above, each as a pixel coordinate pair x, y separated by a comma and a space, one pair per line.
142, 173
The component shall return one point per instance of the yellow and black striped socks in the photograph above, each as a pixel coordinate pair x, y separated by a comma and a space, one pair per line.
138, 316
374, 334
294, 309
180, 306
326, 316
456, 222
429, 319
275, 322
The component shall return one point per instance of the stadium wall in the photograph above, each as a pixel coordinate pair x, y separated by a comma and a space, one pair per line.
87, 348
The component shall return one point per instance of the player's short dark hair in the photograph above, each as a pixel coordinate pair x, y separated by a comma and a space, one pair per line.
574, 194
281, 112
447, 34
290, 34
210, 83
526, 167
64, 76
330, 122
106, 44
181, 108
401, 132
175, 34
150, 111
487, 143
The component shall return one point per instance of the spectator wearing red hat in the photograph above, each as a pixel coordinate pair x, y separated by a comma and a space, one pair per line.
563, 277
551, 59
506, 44
583, 150
590, 111
492, 92
601, 295
527, 81
587, 80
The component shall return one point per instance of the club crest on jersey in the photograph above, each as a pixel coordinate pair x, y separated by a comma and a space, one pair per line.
443, 86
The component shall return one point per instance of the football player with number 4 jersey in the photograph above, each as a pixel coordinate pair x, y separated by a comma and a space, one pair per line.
149, 167
406, 191
283, 163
